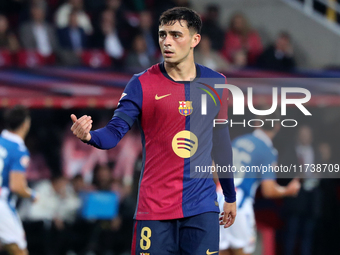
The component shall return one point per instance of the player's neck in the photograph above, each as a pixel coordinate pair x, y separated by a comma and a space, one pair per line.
183, 71
270, 134
19, 133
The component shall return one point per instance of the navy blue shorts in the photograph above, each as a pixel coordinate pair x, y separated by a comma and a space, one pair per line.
195, 235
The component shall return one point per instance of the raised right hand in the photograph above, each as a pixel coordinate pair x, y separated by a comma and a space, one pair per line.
81, 127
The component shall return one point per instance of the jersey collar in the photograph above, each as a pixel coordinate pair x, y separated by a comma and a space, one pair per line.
162, 68
12, 137
263, 137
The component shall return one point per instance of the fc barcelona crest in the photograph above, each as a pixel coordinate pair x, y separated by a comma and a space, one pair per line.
185, 108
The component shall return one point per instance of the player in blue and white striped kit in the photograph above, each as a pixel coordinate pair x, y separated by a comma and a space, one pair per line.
14, 158
252, 150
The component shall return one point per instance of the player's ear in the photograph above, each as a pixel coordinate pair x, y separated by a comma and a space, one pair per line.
196, 38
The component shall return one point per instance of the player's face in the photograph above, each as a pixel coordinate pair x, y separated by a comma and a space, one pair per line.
177, 41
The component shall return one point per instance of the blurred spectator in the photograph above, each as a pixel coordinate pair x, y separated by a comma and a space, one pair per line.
79, 158
26, 7
37, 169
149, 32
278, 57
78, 184
240, 36
111, 235
57, 201
211, 27
325, 151
139, 58
307, 154
8, 40
38, 34
73, 37
119, 9
63, 14
125, 30
57, 209
304, 210
205, 55
327, 228
41, 3
113, 5
240, 59
102, 178
107, 37
125, 157
73, 41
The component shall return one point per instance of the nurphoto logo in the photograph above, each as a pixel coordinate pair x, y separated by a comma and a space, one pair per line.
239, 105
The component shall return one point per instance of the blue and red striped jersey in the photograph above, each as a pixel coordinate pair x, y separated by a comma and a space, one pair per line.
176, 138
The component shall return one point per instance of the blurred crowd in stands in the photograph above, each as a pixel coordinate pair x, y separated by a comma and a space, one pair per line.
123, 35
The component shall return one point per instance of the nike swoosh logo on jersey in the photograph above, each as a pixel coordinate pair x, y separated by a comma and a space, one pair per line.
212, 252
157, 97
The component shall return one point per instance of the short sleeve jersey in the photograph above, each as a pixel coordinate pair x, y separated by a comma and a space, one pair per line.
251, 152
14, 156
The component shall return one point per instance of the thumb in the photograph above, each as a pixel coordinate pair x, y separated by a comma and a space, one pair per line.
74, 118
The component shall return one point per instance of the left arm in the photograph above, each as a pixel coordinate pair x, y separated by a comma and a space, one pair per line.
222, 154
17, 177
18, 184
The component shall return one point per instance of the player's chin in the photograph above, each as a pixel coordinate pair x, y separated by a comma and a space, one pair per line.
169, 59
170, 56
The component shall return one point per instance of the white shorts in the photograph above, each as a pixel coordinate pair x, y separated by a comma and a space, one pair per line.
11, 230
242, 234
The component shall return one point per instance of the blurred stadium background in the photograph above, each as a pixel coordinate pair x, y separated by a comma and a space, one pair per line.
75, 56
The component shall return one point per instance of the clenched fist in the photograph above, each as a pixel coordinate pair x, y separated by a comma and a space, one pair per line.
81, 127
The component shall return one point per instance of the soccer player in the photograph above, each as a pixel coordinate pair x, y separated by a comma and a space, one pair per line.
255, 149
175, 214
14, 158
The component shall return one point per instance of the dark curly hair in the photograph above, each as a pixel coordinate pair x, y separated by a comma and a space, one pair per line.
170, 17
15, 116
